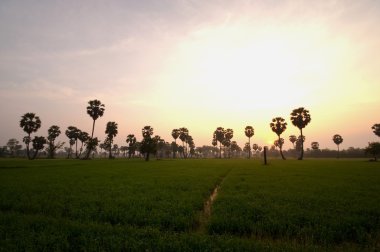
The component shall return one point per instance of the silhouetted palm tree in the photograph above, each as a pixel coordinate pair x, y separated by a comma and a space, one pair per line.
83, 137
148, 144
175, 134
278, 126
184, 133
338, 139
131, 140
315, 145
111, 131
300, 117
229, 134
376, 129
29, 123
220, 136
38, 144
53, 133
95, 109
249, 132
73, 133
292, 139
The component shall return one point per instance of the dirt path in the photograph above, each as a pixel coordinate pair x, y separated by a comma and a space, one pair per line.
206, 212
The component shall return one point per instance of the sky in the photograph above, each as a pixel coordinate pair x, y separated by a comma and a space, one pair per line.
195, 64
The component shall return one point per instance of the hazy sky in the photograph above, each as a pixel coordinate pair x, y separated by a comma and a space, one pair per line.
198, 64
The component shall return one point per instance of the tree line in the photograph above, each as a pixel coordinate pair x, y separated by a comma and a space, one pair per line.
83, 145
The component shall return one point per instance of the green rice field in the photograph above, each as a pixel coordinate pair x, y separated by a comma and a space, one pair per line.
132, 205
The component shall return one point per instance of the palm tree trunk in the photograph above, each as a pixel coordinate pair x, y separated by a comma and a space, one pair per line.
301, 157
249, 149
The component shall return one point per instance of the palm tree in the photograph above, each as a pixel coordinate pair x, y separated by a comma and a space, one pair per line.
292, 139
175, 134
229, 134
183, 134
278, 126
38, 144
219, 135
376, 129
300, 117
249, 132
131, 140
95, 110
315, 145
53, 133
82, 137
29, 123
338, 139
148, 144
73, 133
111, 131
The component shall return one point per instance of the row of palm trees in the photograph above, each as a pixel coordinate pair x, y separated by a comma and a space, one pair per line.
30, 123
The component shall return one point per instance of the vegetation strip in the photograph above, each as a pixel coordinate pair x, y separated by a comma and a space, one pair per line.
206, 212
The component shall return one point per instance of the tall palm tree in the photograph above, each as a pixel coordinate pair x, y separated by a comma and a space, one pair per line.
220, 137
131, 140
249, 132
315, 145
300, 117
111, 131
29, 123
95, 109
184, 133
338, 139
175, 135
229, 134
376, 129
292, 139
147, 144
278, 126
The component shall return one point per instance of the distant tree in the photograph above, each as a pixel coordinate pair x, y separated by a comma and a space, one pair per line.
219, 135
376, 129
300, 118
338, 139
115, 150
249, 132
235, 149
13, 146
91, 146
191, 144
373, 149
29, 123
315, 145
95, 109
53, 133
38, 144
278, 126
174, 147
148, 144
131, 140
229, 134
247, 148
111, 131
299, 142
83, 137
124, 150
73, 133
184, 133
293, 139
175, 134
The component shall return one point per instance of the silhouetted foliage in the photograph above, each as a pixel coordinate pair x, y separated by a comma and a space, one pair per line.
175, 135
148, 144
376, 129
219, 136
183, 134
300, 117
373, 149
338, 139
131, 140
293, 139
53, 133
249, 132
29, 123
73, 133
38, 143
278, 126
315, 145
111, 131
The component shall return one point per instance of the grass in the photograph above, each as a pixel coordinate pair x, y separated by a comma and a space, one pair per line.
61, 205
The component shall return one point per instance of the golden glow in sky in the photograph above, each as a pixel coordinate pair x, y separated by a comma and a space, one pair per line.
197, 64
